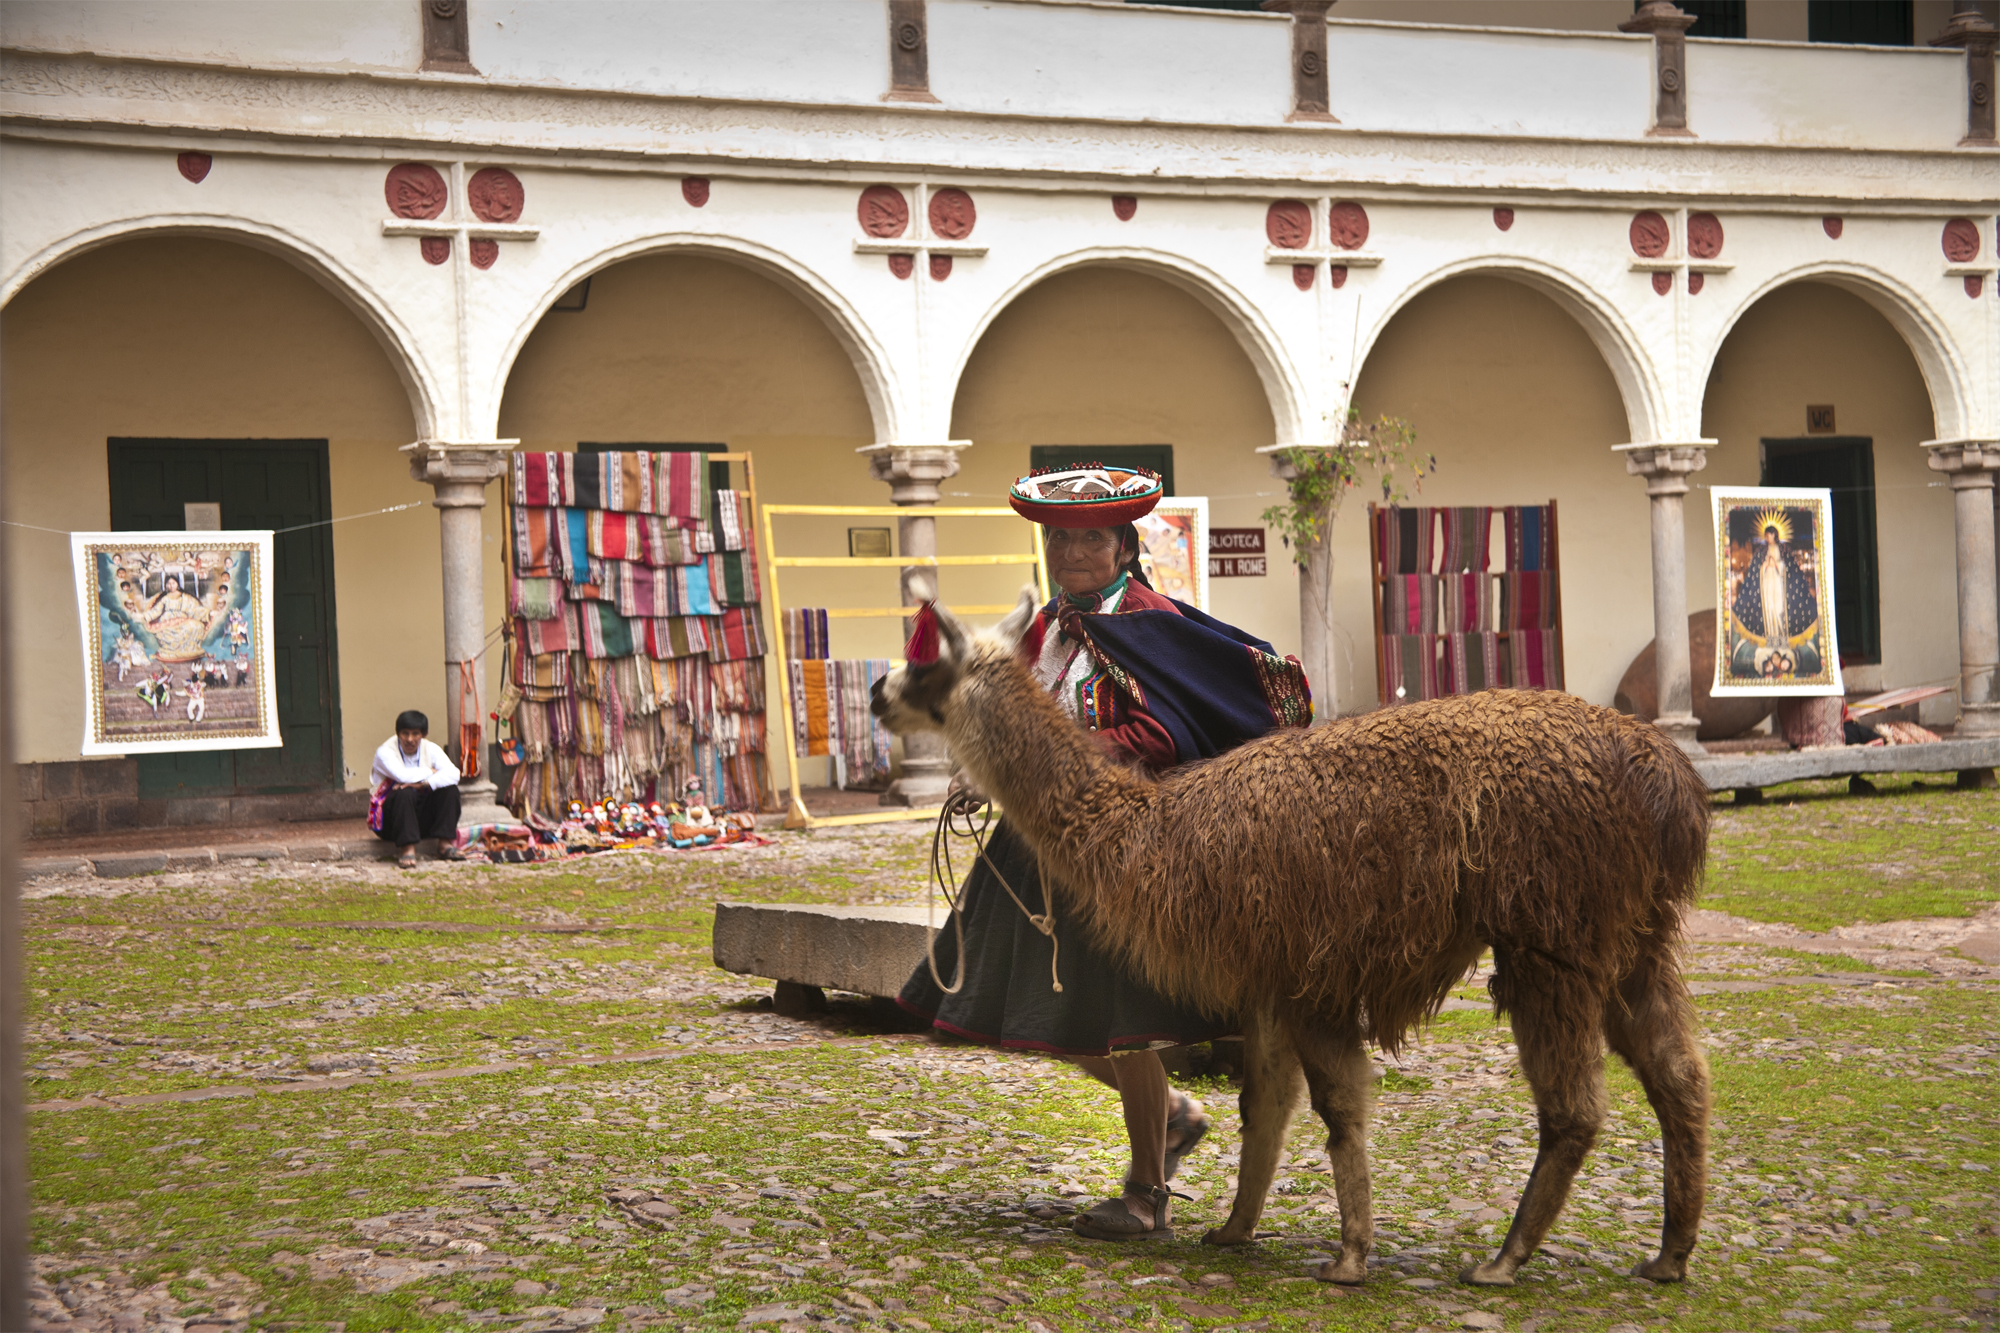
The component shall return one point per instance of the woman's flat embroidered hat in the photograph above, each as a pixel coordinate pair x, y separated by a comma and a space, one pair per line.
1092, 496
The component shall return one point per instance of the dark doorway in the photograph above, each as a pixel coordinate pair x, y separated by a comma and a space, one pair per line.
1158, 457
1714, 18
1845, 466
1861, 22
274, 484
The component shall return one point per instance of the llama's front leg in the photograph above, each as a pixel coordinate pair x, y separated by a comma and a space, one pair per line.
1340, 1080
1271, 1085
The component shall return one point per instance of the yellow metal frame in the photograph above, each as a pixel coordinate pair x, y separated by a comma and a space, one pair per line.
796, 815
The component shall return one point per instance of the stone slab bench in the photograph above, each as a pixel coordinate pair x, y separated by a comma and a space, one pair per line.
1748, 774
809, 949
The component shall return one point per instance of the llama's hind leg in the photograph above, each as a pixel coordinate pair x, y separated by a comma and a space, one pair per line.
1564, 1064
1340, 1080
1650, 1022
1271, 1085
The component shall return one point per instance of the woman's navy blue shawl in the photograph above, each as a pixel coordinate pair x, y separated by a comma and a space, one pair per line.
1211, 685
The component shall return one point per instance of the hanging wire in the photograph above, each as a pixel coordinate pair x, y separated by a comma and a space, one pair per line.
298, 527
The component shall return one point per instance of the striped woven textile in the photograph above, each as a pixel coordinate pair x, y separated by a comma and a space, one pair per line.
806, 632
543, 677
1412, 664
1407, 539
1467, 530
830, 713
633, 481
665, 637
729, 523
1525, 525
1466, 602
555, 635
738, 633
1410, 604
1525, 602
1473, 662
605, 633
738, 686
1534, 661
534, 599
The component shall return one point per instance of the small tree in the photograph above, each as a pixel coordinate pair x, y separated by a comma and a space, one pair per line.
1317, 479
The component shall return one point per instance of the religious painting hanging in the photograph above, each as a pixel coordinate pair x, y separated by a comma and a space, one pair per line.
1173, 548
177, 650
1774, 631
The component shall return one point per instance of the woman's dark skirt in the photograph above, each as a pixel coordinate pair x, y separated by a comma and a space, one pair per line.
1007, 1000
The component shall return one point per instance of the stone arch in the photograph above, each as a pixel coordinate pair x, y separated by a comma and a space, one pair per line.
1914, 320
1283, 386
1647, 412
347, 286
870, 360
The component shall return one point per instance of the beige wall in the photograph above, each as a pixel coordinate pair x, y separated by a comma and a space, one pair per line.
1510, 394
1816, 343
1114, 356
202, 339
689, 350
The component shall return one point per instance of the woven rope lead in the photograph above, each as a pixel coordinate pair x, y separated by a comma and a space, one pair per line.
956, 820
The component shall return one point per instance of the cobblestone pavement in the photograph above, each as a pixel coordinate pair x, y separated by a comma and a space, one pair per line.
344, 1097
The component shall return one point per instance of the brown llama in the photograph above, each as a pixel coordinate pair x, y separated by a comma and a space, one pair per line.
1329, 887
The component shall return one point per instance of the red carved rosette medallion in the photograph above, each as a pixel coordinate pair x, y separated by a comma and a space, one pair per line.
1663, 282
195, 166
496, 195
1695, 281
1704, 235
1974, 285
436, 249
415, 191
952, 214
1650, 235
484, 252
1832, 226
1288, 224
940, 267
902, 265
1503, 218
1123, 206
1302, 276
1961, 240
883, 212
1347, 223
694, 189
1336, 276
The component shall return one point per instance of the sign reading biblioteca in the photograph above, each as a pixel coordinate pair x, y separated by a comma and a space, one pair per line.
1236, 553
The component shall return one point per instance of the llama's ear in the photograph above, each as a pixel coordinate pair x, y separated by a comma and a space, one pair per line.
1011, 630
953, 646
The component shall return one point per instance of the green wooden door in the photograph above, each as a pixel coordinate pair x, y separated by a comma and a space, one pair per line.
1847, 468
275, 484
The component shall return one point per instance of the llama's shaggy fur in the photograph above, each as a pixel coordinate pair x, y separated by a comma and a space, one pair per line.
1328, 887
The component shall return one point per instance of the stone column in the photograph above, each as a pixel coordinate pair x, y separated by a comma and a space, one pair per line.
914, 472
459, 471
1310, 97
1316, 642
1666, 466
1970, 30
1669, 25
1971, 464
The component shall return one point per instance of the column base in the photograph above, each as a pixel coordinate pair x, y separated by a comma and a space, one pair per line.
1977, 720
917, 790
1681, 729
479, 803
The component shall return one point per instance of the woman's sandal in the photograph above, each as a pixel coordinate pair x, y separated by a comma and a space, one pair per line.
1191, 1130
1112, 1220
408, 860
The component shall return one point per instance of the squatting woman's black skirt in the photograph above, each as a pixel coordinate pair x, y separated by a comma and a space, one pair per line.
1007, 1000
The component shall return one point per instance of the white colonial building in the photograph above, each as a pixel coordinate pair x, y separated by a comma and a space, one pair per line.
870, 239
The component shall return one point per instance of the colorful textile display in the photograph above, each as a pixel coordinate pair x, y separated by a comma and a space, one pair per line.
1450, 623
830, 715
805, 633
636, 642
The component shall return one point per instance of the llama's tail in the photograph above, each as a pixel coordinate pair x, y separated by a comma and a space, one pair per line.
1673, 797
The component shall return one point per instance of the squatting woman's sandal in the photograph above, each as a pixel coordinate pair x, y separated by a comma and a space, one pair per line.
1112, 1220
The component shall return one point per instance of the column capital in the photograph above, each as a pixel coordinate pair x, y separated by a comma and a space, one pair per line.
1969, 29
1969, 463
459, 469
1657, 16
1665, 464
913, 471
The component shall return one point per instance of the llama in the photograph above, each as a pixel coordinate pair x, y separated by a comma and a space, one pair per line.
1328, 887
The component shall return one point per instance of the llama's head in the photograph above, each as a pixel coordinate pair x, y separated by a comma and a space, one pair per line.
921, 696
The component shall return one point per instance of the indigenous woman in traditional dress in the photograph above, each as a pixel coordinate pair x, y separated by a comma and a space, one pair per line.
1106, 641
179, 622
